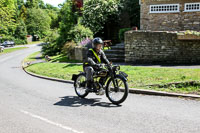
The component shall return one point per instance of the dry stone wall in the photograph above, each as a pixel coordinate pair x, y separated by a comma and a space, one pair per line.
160, 48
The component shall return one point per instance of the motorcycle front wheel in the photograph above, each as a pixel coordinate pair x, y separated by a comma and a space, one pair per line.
80, 86
119, 93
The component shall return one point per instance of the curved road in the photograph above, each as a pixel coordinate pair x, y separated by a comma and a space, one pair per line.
32, 105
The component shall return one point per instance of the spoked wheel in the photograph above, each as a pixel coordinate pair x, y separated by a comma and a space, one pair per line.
81, 86
119, 94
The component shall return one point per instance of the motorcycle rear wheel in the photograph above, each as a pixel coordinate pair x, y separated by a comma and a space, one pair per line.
80, 86
119, 95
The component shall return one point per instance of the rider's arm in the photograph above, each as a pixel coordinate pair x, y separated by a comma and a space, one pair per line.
89, 58
104, 58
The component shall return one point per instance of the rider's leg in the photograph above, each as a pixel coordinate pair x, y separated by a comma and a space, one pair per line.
89, 75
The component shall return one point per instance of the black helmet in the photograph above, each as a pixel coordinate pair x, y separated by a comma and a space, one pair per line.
96, 41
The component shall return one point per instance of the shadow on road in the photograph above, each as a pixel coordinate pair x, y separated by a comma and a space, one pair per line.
75, 101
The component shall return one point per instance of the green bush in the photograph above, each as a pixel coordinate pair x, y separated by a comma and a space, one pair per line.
121, 33
52, 36
189, 32
6, 38
16, 40
68, 48
49, 49
80, 33
20, 41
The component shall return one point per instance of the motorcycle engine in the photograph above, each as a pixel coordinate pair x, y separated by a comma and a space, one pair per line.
97, 85
99, 88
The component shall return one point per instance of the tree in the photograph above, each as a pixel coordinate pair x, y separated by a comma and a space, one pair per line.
133, 9
20, 3
41, 4
97, 12
32, 3
38, 22
68, 21
23, 13
54, 18
20, 32
7, 14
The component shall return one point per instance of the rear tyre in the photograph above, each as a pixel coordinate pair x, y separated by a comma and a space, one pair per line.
80, 86
119, 94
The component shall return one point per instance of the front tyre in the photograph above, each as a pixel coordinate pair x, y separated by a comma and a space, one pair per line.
80, 86
119, 94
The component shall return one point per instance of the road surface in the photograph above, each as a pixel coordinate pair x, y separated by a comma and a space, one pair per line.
33, 105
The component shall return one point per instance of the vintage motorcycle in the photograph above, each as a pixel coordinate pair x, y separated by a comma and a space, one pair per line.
109, 79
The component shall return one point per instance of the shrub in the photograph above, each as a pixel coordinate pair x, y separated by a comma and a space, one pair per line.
121, 33
86, 42
20, 41
68, 48
189, 32
49, 49
80, 33
5, 38
51, 36
16, 40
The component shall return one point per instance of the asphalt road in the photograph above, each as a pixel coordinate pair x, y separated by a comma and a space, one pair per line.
32, 105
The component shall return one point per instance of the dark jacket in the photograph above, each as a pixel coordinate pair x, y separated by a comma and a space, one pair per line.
92, 60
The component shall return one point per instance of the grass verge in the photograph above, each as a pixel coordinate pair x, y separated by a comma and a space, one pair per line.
35, 42
32, 57
12, 50
139, 77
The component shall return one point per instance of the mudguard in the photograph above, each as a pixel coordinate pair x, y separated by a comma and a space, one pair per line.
122, 76
74, 77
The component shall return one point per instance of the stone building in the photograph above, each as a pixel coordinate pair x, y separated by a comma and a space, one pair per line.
170, 15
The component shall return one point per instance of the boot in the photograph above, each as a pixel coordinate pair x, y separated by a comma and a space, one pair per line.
89, 86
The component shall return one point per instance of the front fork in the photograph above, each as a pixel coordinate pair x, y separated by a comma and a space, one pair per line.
115, 83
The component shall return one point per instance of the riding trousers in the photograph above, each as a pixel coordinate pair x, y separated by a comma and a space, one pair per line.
89, 73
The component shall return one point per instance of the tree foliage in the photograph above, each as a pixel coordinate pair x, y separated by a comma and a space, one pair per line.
133, 9
97, 12
80, 33
68, 19
32, 3
38, 22
21, 31
7, 17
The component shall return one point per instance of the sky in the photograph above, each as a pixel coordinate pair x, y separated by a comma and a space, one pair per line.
54, 2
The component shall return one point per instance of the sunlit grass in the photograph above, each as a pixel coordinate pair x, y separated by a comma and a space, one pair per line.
138, 77
9, 50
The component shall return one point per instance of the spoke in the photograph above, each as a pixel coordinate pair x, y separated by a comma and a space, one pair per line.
116, 96
81, 85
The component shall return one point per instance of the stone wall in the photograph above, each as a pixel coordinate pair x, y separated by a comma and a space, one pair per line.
160, 48
169, 21
79, 53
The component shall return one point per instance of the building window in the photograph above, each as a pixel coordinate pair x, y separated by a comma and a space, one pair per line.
191, 7
164, 8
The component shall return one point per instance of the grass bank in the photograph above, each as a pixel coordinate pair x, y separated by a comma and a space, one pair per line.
139, 77
9, 50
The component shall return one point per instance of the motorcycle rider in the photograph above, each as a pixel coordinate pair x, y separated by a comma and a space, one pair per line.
95, 57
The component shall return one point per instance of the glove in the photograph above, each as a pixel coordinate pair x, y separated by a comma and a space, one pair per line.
98, 66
